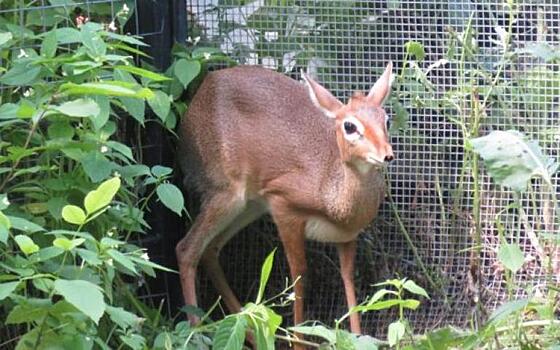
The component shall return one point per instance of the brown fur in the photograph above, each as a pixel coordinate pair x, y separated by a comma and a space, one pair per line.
253, 141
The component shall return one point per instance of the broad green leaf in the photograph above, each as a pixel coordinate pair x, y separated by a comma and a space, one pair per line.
171, 197
20, 74
68, 244
135, 107
316, 331
46, 254
5, 226
379, 295
123, 260
8, 111
230, 333
186, 71
107, 88
121, 317
511, 160
160, 104
410, 304
84, 295
24, 225
142, 73
412, 287
49, 44
5, 37
7, 288
134, 341
61, 129
395, 333
125, 38
102, 196
161, 171
511, 256
265, 274
507, 309
415, 49
89, 256
74, 215
121, 148
345, 340
366, 342
380, 305
97, 166
79, 108
30, 310
95, 45
26, 244
67, 35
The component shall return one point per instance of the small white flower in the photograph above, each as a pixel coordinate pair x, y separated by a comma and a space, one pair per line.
104, 149
5, 201
110, 262
22, 54
125, 9
145, 256
271, 36
112, 27
189, 39
28, 92
196, 40
116, 174
291, 296
207, 55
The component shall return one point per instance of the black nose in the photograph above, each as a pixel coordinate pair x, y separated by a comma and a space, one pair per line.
389, 158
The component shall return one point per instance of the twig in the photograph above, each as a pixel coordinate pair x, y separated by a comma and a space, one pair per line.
297, 341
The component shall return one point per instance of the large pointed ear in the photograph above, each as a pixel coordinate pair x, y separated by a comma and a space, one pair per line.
321, 97
380, 91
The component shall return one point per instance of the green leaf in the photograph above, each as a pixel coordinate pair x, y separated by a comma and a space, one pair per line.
412, 287
20, 74
102, 196
49, 44
511, 160
345, 340
395, 333
29, 310
67, 35
7, 288
186, 71
171, 197
122, 259
107, 88
161, 171
230, 333
135, 107
24, 225
8, 111
26, 244
121, 317
97, 167
317, 331
160, 104
5, 37
89, 256
511, 256
142, 73
5, 226
265, 274
95, 45
67, 244
73, 215
507, 309
79, 108
416, 50
101, 119
134, 341
83, 295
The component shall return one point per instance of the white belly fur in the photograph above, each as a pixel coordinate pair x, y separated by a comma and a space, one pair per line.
321, 230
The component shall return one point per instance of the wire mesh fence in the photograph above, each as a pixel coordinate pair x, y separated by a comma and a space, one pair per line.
429, 229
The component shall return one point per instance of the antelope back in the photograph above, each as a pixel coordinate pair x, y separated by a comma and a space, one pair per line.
252, 125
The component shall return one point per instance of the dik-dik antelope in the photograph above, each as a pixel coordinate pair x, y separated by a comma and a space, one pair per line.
254, 141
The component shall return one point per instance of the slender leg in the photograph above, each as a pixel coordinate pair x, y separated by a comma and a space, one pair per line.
347, 255
291, 230
217, 213
210, 258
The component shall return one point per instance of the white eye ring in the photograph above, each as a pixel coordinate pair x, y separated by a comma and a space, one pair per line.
359, 128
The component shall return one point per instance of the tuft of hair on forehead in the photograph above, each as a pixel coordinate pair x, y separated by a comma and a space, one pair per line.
358, 99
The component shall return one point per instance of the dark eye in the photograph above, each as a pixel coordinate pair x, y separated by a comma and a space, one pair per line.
350, 128
388, 124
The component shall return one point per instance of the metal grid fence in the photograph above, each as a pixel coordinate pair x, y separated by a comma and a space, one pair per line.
345, 44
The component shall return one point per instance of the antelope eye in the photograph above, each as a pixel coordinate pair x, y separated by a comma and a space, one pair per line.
350, 127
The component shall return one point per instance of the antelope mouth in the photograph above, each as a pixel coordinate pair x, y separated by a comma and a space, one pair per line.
371, 159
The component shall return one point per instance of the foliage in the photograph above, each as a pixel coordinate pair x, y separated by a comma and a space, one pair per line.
73, 196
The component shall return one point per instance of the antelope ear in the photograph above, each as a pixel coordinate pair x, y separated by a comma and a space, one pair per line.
321, 97
380, 91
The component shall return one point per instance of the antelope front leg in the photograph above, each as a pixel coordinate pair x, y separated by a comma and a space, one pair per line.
347, 256
291, 230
